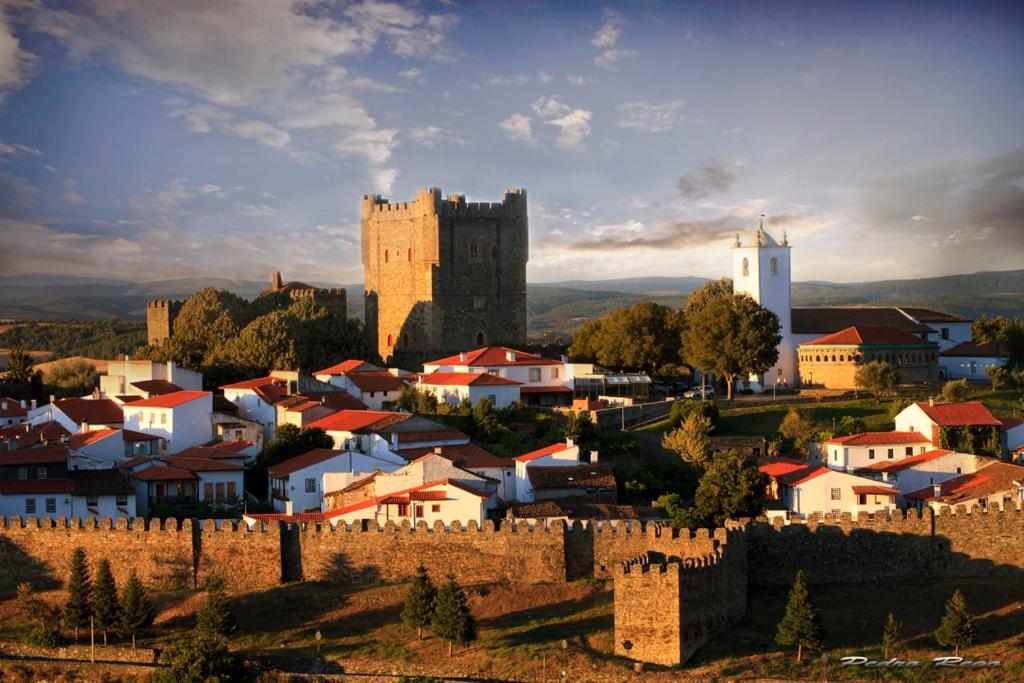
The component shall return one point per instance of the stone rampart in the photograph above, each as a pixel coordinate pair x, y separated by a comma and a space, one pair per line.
905, 546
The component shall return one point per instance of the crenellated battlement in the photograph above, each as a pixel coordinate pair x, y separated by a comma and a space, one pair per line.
431, 201
165, 303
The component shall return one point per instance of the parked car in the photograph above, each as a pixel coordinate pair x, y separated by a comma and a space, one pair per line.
696, 393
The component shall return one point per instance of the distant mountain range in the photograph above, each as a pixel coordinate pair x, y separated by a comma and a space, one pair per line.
554, 308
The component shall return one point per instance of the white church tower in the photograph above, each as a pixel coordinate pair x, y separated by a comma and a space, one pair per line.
762, 270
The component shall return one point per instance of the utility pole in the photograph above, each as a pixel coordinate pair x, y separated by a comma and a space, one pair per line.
92, 639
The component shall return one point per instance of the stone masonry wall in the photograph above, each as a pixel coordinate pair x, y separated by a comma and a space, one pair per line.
949, 544
246, 560
39, 551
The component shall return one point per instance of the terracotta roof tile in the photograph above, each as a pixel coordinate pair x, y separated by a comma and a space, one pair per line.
906, 463
170, 400
471, 379
779, 467
199, 464
875, 490
162, 473
802, 476
959, 414
298, 462
353, 420
40, 486
156, 387
43, 455
832, 319
11, 408
110, 482
91, 410
541, 452
979, 349
926, 315
879, 439
596, 476
463, 455
994, 479
375, 380
494, 356
347, 366
864, 335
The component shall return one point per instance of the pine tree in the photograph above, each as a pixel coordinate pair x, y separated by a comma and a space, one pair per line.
216, 618
136, 608
105, 604
419, 602
957, 628
79, 586
452, 620
801, 625
890, 635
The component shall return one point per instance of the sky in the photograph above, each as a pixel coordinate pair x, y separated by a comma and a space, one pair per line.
151, 140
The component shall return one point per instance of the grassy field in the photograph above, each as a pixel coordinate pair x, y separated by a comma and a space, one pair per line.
522, 629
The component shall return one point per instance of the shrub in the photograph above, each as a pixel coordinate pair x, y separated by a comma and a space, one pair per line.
44, 637
955, 390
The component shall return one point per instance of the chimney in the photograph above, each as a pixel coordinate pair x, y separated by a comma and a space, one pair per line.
463, 357
437, 450
510, 356
569, 443
53, 399
394, 441
936, 490
593, 457
931, 400
275, 282
83, 427
3, 405
885, 476
33, 404
564, 358
23, 404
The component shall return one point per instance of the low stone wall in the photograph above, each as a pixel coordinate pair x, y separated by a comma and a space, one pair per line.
615, 418
83, 653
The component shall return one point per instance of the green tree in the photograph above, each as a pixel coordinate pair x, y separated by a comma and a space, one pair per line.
799, 428
202, 659
957, 629
19, 366
79, 586
998, 375
452, 620
955, 390
486, 421
106, 608
137, 611
207, 321
891, 635
76, 375
644, 337
680, 409
801, 625
42, 617
418, 608
579, 427
850, 425
692, 440
1007, 332
729, 334
216, 619
265, 344
876, 377
291, 440
731, 486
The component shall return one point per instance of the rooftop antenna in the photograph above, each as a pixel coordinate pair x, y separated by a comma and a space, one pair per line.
760, 232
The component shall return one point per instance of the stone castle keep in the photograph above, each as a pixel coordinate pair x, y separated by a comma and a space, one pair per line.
442, 275
674, 590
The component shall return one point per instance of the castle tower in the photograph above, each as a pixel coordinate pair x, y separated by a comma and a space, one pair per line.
160, 316
762, 270
442, 275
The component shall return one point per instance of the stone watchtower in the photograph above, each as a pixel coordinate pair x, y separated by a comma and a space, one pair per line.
443, 275
160, 317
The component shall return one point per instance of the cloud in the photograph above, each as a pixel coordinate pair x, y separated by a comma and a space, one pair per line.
259, 210
549, 107
432, 136
349, 129
383, 179
575, 127
608, 35
609, 59
207, 118
713, 177
16, 63
732, 131
649, 117
517, 127
18, 149
370, 85
919, 218
175, 193
544, 77
412, 73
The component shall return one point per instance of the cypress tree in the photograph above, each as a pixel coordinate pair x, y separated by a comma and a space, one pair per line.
136, 608
957, 628
105, 604
890, 635
418, 610
452, 620
79, 605
216, 619
801, 625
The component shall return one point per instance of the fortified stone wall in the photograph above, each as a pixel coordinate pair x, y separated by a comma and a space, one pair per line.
696, 597
246, 560
905, 546
39, 551
160, 317
442, 275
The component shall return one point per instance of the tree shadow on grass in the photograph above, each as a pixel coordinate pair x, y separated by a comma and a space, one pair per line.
546, 612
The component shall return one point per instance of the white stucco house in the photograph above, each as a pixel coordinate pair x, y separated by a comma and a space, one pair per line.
817, 490
850, 453
12, 412
969, 360
121, 375
114, 445
79, 414
256, 399
455, 387
298, 484
556, 455
926, 469
543, 381
931, 418
477, 460
181, 419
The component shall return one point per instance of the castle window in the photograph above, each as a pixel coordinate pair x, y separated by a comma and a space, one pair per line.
474, 250
391, 341
773, 266
479, 338
405, 340
494, 252
746, 267
478, 302
387, 256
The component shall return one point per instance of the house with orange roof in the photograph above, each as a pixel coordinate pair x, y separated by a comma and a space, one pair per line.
854, 451
561, 454
477, 460
832, 361
544, 381
13, 412
77, 414
301, 483
805, 489
181, 419
967, 426
455, 387
147, 378
373, 385
997, 484
256, 400
114, 445
932, 467
378, 432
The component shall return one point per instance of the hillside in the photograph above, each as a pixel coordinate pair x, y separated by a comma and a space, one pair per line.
554, 308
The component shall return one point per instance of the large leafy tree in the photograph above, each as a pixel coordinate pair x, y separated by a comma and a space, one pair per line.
78, 608
19, 366
290, 440
106, 607
729, 334
876, 377
1009, 332
265, 344
137, 610
452, 620
731, 486
207, 321
801, 625
418, 608
642, 337
957, 629
692, 439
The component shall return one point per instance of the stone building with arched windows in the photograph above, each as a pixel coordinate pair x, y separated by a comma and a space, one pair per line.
831, 362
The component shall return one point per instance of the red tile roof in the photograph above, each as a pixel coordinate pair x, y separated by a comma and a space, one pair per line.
906, 463
110, 482
170, 400
472, 379
495, 356
129, 463
875, 490
162, 473
81, 439
16, 486
428, 436
802, 476
132, 435
926, 315
338, 400
200, 464
959, 414
298, 462
236, 446
859, 335
833, 319
585, 475
91, 410
43, 455
270, 389
994, 479
11, 408
128, 398
352, 420
555, 389
464, 455
217, 452
375, 380
879, 439
778, 467
347, 366
1008, 423
541, 452
979, 349
156, 387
